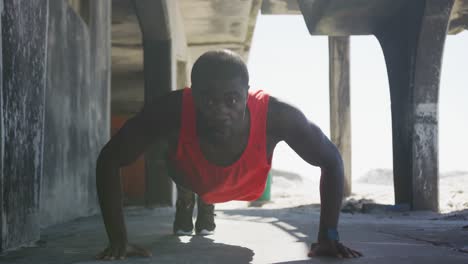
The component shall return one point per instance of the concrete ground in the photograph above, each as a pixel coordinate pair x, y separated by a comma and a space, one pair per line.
258, 235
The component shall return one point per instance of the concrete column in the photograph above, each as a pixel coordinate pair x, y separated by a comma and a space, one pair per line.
98, 16
340, 114
413, 46
157, 72
24, 39
158, 65
2, 141
77, 108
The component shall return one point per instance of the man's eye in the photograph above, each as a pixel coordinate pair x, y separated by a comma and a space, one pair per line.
231, 100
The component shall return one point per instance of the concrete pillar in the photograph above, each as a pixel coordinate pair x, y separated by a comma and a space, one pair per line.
77, 109
340, 114
3, 236
413, 46
98, 16
24, 39
158, 66
157, 72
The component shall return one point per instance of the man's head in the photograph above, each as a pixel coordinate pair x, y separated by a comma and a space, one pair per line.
220, 65
220, 83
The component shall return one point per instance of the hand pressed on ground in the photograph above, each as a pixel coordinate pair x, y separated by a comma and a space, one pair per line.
331, 248
122, 252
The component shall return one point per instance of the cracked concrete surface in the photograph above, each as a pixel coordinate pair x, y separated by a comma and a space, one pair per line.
257, 235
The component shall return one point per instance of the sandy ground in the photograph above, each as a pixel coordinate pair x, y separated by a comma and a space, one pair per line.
375, 187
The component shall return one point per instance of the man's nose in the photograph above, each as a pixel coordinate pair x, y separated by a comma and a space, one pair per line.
220, 107
220, 111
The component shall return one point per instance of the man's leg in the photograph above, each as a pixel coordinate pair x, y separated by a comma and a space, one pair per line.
205, 224
183, 223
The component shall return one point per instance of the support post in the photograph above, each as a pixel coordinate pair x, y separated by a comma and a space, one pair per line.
158, 70
340, 113
413, 47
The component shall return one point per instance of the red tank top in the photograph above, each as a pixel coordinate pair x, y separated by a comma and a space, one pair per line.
244, 179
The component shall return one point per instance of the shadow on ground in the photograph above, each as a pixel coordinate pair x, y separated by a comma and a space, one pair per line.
79, 241
259, 235
404, 237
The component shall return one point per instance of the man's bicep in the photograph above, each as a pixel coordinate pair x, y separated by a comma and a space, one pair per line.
130, 141
309, 142
305, 137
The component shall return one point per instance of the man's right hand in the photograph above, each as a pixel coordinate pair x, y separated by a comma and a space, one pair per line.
119, 252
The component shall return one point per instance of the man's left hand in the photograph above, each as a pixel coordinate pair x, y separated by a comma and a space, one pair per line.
332, 248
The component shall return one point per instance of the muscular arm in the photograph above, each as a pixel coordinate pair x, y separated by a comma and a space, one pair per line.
157, 120
308, 141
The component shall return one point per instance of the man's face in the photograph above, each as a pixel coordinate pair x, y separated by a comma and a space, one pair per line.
221, 104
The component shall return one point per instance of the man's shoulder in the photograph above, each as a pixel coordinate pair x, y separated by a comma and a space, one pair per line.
281, 116
277, 108
169, 101
164, 109
273, 118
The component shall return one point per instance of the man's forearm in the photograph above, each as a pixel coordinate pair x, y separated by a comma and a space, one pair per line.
110, 200
331, 195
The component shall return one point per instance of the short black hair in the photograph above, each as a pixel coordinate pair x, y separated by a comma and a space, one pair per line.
219, 65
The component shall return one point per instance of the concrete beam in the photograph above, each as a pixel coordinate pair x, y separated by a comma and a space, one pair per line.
340, 112
254, 10
347, 17
153, 19
221, 24
208, 21
413, 43
360, 17
280, 7
459, 17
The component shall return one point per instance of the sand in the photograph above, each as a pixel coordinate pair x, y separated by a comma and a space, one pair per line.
290, 190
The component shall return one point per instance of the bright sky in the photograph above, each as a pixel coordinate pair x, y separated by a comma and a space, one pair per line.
292, 65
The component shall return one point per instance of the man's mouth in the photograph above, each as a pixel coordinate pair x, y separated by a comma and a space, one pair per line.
221, 123
221, 130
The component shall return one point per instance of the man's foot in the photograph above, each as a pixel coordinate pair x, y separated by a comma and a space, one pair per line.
205, 224
183, 223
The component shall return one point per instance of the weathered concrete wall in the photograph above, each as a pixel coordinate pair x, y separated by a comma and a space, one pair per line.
24, 38
77, 109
